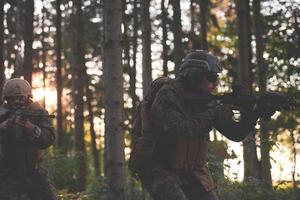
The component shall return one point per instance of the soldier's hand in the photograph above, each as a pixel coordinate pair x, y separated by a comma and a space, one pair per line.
7, 124
26, 124
225, 111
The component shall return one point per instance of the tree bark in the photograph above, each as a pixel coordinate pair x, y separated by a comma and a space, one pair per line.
192, 10
113, 101
78, 83
44, 53
2, 68
177, 31
203, 24
146, 42
28, 40
294, 174
95, 151
59, 122
251, 164
264, 133
164, 16
132, 87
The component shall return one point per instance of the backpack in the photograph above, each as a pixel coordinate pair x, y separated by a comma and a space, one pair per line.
143, 148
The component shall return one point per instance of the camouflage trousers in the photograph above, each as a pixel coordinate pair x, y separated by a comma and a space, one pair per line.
163, 185
34, 183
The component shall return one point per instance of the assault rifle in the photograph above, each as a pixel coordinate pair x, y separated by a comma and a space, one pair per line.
270, 100
21, 112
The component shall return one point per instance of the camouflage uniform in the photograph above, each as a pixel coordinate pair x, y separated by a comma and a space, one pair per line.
181, 130
20, 170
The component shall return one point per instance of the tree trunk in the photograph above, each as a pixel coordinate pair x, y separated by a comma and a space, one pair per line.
177, 31
95, 151
126, 37
28, 40
164, 17
14, 22
78, 78
113, 101
146, 42
192, 10
59, 83
264, 133
203, 24
244, 33
2, 69
132, 84
44, 53
294, 174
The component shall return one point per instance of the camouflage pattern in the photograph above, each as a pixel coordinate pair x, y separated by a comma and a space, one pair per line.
164, 185
181, 131
20, 170
35, 183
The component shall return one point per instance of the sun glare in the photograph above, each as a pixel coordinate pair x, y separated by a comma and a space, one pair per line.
39, 94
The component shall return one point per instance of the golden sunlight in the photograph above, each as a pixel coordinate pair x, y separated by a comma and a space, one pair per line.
40, 93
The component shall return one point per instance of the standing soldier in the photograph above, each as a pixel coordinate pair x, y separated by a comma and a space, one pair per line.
179, 127
25, 132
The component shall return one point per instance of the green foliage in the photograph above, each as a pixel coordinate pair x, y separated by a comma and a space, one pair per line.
62, 169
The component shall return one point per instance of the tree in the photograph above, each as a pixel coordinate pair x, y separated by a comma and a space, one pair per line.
132, 74
262, 69
203, 23
59, 87
78, 86
245, 55
192, 10
28, 40
95, 151
113, 100
44, 52
164, 16
146, 43
2, 69
177, 31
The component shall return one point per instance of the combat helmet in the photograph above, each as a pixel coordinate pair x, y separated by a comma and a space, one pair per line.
197, 63
16, 87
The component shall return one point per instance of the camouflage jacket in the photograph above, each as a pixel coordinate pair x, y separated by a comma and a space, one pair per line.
176, 121
23, 152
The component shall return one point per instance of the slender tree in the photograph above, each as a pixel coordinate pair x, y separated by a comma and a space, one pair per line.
164, 16
192, 10
78, 83
262, 69
59, 87
132, 87
113, 100
95, 152
44, 52
244, 46
146, 41
177, 31
28, 40
2, 75
203, 23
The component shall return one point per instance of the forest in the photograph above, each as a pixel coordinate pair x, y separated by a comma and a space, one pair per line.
90, 63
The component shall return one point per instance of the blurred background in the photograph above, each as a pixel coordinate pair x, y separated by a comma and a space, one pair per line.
59, 47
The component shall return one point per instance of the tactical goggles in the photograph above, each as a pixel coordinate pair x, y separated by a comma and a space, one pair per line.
212, 77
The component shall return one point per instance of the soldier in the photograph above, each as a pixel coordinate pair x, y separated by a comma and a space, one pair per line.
181, 127
25, 132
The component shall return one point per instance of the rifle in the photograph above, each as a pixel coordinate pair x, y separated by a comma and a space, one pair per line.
21, 112
269, 100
